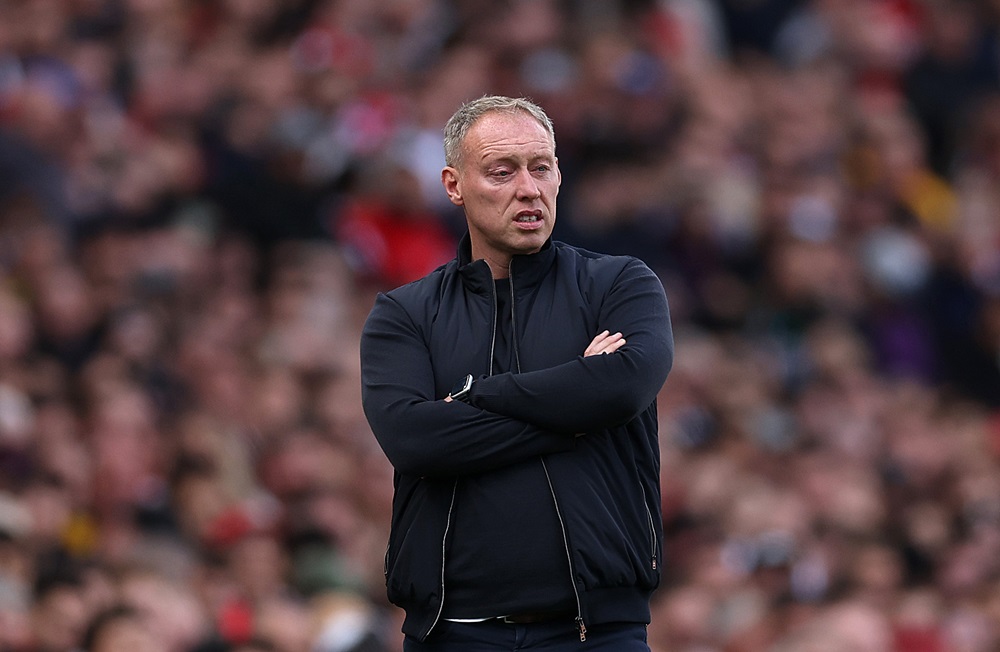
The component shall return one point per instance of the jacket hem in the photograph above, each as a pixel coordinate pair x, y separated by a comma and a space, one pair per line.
600, 606
624, 604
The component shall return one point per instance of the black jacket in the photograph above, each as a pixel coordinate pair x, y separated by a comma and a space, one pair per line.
423, 337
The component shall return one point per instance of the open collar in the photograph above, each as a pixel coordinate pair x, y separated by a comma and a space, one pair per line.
526, 270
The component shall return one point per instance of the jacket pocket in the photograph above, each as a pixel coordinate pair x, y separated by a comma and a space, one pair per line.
654, 535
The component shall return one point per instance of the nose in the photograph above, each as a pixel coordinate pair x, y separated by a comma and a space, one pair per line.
527, 188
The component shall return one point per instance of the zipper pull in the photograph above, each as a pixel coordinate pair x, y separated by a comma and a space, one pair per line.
583, 629
654, 563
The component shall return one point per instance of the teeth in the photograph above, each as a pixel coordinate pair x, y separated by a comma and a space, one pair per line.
528, 218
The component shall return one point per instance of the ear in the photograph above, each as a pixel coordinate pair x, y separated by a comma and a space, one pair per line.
449, 178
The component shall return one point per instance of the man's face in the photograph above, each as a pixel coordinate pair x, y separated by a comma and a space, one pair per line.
127, 635
507, 180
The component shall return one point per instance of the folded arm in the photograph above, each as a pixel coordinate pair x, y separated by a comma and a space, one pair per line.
593, 392
424, 436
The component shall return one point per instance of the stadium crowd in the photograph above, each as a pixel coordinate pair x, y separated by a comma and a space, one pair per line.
199, 199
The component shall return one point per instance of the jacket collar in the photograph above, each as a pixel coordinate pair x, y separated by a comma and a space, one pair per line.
526, 270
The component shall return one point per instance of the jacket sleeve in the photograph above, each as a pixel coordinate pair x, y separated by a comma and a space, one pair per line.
601, 391
425, 436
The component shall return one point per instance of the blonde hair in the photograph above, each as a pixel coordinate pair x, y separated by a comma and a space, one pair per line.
458, 125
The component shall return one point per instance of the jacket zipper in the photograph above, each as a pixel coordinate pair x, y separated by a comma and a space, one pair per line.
444, 542
652, 528
555, 501
569, 555
493, 339
454, 488
562, 524
513, 320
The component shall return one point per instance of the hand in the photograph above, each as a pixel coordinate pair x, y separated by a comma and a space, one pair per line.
605, 342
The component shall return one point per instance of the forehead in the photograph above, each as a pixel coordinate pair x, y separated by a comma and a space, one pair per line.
503, 133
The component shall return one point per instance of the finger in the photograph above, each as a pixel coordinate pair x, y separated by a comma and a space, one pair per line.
605, 338
610, 346
598, 343
605, 343
594, 346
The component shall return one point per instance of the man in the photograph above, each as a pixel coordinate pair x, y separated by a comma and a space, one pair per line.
121, 629
514, 391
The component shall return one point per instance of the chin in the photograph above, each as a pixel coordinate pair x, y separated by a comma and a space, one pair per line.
530, 246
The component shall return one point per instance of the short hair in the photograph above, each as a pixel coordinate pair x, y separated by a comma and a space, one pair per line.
459, 124
105, 620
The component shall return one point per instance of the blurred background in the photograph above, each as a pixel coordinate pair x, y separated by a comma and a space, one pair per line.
199, 199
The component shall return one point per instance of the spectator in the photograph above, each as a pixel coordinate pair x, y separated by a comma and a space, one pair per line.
120, 629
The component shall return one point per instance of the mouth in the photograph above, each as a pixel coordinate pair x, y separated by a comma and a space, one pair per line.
528, 217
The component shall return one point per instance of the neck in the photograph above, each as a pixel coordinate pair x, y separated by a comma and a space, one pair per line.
499, 269
499, 265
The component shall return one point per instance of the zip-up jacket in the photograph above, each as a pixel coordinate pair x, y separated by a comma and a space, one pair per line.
590, 421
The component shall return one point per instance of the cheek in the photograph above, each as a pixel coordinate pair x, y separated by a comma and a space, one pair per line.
552, 193
491, 199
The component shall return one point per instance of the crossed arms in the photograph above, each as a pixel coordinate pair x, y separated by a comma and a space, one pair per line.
514, 416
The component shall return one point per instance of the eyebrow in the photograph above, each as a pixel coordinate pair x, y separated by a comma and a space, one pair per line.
512, 158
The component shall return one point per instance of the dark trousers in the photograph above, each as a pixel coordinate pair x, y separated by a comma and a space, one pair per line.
555, 636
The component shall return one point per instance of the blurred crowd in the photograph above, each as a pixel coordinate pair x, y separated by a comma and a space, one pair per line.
199, 199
